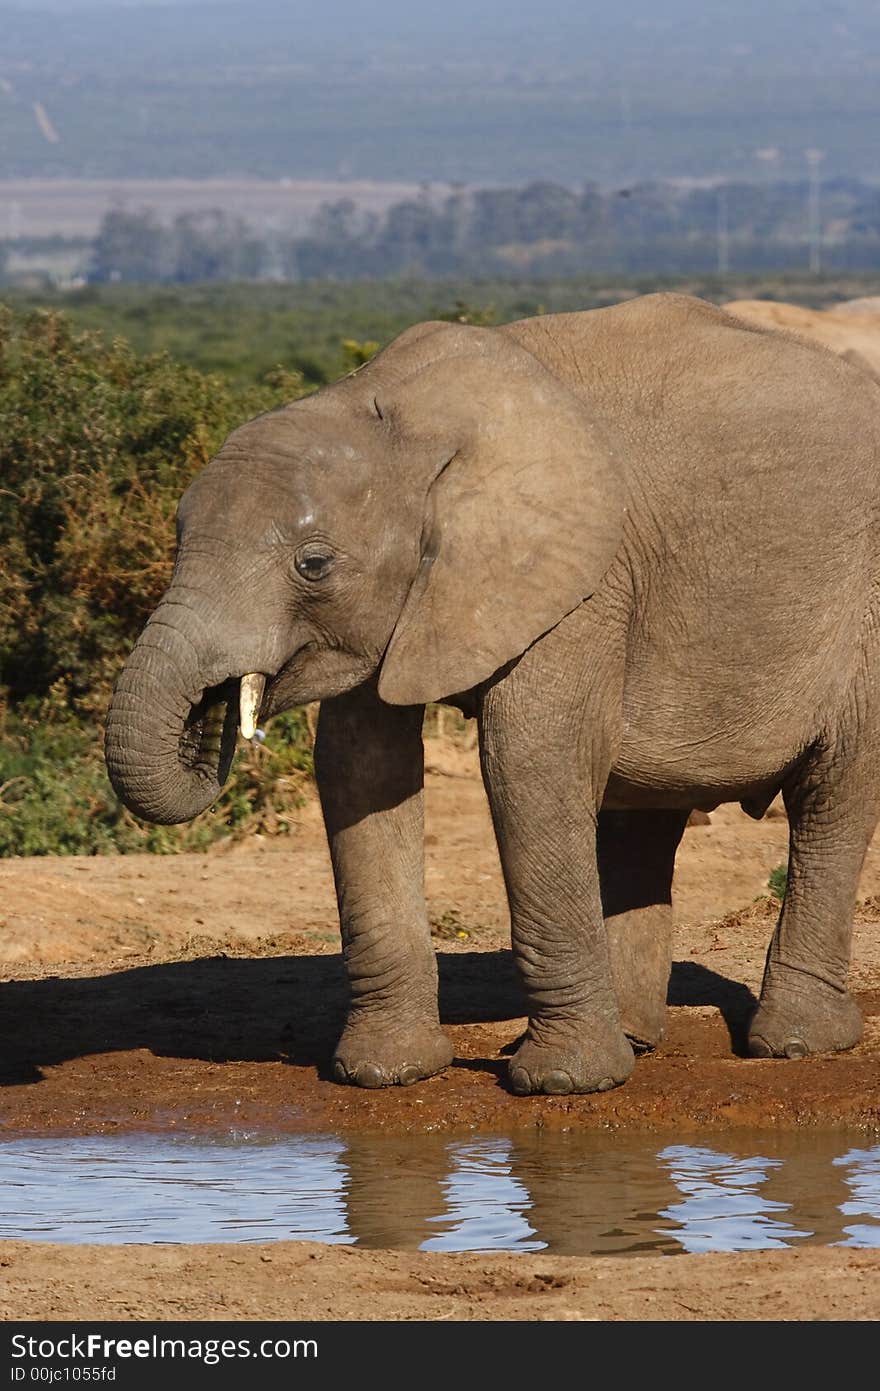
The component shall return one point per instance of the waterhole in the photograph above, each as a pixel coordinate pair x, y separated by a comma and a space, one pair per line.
568, 1193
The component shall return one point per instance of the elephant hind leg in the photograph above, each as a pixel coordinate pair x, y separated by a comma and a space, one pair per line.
832, 803
636, 852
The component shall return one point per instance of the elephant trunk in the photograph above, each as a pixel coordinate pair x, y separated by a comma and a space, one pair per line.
173, 720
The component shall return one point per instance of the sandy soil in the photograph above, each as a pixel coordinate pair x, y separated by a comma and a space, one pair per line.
200, 991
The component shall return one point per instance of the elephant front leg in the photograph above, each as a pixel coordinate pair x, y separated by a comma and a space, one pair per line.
369, 766
544, 811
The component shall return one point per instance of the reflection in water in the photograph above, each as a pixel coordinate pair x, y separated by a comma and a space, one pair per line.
393, 1186
566, 1193
601, 1199
863, 1177
722, 1208
486, 1204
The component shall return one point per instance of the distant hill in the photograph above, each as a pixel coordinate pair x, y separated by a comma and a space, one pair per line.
482, 91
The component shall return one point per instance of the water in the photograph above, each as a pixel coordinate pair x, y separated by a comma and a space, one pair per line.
573, 1194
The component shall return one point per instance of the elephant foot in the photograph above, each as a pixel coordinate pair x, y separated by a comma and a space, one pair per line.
799, 1015
643, 1024
373, 1055
560, 1068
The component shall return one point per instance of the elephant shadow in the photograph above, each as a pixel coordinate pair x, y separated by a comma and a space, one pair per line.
232, 1009
691, 984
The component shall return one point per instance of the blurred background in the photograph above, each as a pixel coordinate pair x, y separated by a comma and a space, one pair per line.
183, 140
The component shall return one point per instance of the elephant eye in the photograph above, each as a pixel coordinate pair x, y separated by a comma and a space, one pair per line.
313, 562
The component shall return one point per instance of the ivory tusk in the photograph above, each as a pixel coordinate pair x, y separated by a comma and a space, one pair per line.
249, 698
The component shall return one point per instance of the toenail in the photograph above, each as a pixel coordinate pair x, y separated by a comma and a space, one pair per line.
369, 1075
556, 1084
520, 1081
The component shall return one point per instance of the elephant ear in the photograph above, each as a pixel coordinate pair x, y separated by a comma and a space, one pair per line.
522, 518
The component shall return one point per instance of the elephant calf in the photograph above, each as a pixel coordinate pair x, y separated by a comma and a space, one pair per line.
640, 545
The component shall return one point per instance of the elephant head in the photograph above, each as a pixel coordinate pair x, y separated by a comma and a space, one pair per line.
424, 520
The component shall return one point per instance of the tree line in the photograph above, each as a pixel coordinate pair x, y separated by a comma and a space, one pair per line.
544, 229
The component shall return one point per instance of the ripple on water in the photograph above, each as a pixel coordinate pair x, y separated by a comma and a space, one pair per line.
571, 1194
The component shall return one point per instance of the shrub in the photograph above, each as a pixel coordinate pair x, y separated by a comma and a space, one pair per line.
96, 446
777, 881
55, 798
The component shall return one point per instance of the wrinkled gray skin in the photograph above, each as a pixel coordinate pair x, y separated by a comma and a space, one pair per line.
639, 544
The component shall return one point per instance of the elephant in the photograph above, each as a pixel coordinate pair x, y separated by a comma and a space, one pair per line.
639, 546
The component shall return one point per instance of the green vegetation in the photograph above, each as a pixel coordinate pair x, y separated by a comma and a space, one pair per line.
55, 798
777, 881
96, 445
244, 331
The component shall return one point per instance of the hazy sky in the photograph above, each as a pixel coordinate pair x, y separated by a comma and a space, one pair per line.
488, 90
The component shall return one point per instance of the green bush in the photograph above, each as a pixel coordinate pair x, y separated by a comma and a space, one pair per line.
55, 798
777, 881
96, 446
